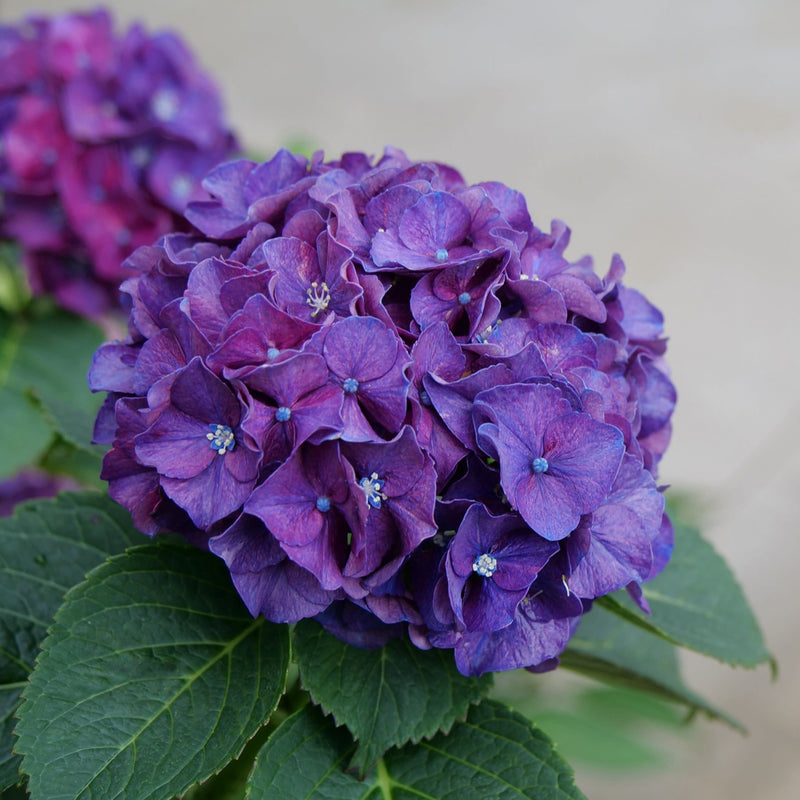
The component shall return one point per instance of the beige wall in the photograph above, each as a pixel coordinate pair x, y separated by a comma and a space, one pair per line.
668, 131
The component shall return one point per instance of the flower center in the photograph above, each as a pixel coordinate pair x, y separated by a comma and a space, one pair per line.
441, 255
283, 414
484, 335
221, 438
323, 504
350, 385
425, 398
372, 489
140, 155
318, 297
273, 353
539, 465
485, 565
165, 105
464, 298
180, 186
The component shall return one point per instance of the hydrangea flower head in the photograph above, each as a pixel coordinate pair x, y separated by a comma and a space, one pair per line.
391, 402
104, 139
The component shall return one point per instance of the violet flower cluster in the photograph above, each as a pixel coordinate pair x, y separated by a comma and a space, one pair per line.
103, 141
389, 401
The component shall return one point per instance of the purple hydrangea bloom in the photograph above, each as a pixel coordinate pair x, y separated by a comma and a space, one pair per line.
555, 463
491, 565
206, 462
104, 140
390, 402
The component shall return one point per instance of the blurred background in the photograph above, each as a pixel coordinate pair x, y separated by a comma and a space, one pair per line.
668, 132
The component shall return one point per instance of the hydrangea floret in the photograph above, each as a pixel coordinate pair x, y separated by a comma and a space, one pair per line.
104, 139
389, 401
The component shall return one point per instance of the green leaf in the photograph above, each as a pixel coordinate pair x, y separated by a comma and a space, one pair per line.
696, 602
45, 549
231, 782
495, 754
46, 353
63, 459
10, 691
154, 676
75, 425
608, 649
385, 697
587, 740
71, 452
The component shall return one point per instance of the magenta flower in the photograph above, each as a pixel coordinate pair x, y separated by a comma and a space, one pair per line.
105, 139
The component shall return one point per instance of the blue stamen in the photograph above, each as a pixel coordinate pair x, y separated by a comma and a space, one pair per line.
485, 565
372, 489
484, 335
283, 414
323, 504
350, 385
425, 399
464, 298
539, 465
273, 353
441, 255
221, 439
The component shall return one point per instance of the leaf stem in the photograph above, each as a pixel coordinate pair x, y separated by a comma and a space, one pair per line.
384, 781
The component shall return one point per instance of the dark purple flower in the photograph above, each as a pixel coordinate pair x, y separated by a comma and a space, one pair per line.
300, 405
368, 362
205, 462
385, 398
491, 564
618, 536
306, 504
269, 583
310, 283
543, 624
429, 234
555, 464
397, 483
246, 193
132, 484
259, 334
463, 290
